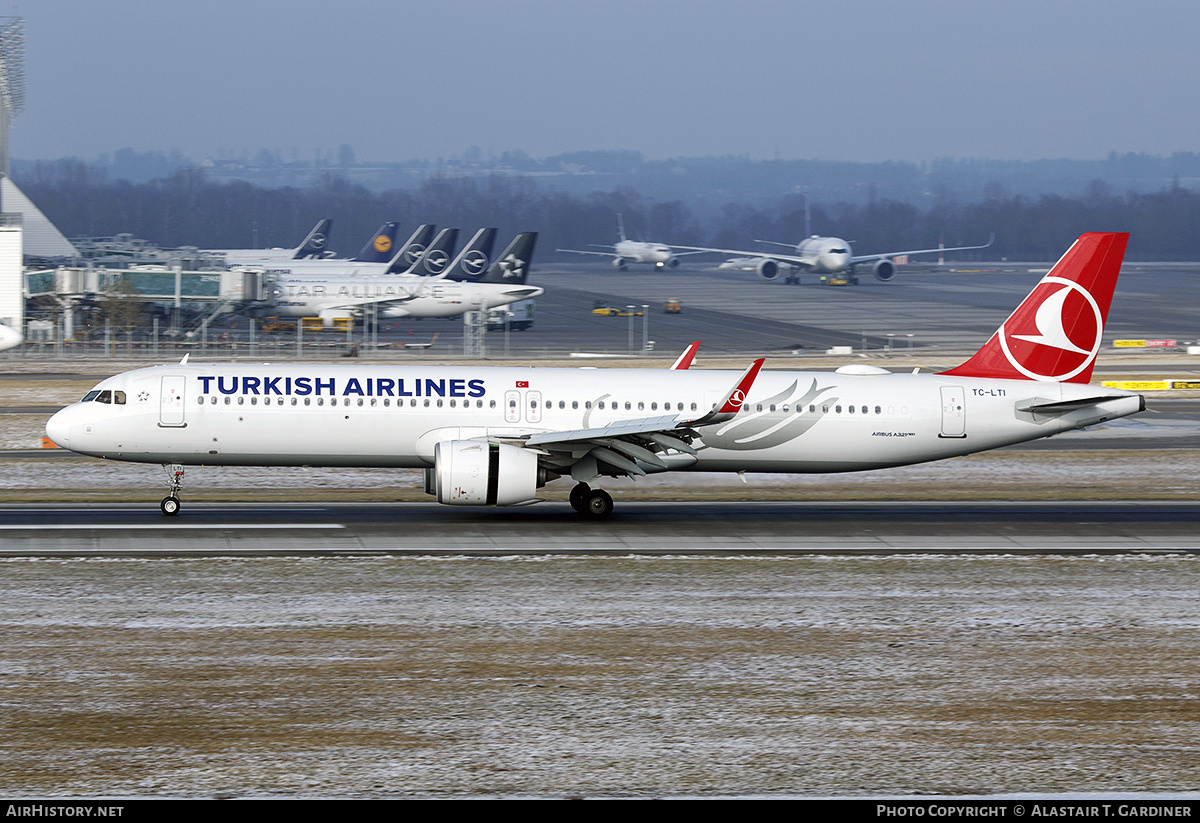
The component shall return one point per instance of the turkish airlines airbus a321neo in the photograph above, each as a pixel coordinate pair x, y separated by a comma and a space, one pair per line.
494, 436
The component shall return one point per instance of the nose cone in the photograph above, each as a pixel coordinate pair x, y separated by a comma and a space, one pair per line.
58, 428
9, 337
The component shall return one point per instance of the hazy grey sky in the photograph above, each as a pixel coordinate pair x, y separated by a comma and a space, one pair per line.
849, 80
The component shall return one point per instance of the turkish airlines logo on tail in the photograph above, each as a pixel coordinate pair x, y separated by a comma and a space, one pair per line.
1056, 333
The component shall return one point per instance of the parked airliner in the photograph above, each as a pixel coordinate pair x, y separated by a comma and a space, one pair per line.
410, 295
379, 256
315, 245
634, 251
493, 436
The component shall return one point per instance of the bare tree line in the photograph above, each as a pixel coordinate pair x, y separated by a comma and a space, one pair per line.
187, 209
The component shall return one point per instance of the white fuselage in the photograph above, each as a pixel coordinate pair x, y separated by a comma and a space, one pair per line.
825, 255
393, 415
318, 268
633, 251
396, 296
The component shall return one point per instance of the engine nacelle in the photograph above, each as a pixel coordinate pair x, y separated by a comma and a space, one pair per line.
884, 270
477, 473
619, 263
767, 269
669, 263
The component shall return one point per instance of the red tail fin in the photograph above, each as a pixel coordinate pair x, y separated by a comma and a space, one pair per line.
1055, 334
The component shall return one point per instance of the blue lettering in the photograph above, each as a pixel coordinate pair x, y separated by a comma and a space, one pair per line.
353, 387
325, 384
221, 385
206, 380
476, 388
433, 387
384, 386
303, 385
250, 385
271, 385
287, 385
458, 388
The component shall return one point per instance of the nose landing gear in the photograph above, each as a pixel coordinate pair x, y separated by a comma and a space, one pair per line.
170, 503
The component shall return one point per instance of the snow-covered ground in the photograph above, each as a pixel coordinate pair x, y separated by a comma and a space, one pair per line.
599, 676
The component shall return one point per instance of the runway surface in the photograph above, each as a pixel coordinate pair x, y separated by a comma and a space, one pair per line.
726, 528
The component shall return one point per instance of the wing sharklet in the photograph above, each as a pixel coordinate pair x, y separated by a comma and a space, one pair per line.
733, 400
685, 359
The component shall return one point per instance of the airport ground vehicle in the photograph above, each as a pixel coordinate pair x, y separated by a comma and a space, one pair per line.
673, 305
518, 315
601, 309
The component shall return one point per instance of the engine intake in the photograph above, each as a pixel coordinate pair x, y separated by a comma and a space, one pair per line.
767, 269
884, 270
475, 473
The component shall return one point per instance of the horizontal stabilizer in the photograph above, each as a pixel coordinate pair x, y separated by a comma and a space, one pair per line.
1064, 406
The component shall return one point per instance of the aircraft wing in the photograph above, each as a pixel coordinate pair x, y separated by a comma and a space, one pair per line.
623, 447
866, 258
755, 255
596, 253
674, 251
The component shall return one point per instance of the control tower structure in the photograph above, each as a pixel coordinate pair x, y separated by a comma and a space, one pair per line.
12, 80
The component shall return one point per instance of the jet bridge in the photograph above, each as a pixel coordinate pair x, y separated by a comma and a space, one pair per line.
210, 291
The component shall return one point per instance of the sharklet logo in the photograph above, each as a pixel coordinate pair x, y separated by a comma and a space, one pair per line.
1052, 331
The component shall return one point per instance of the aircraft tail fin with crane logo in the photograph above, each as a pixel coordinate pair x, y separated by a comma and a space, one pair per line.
1056, 332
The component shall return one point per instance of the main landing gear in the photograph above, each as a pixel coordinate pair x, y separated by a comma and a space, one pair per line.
594, 504
170, 503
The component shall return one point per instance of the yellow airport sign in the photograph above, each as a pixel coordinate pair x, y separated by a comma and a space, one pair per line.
1138, 385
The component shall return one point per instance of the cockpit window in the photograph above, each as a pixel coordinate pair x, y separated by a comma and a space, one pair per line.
106, 396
